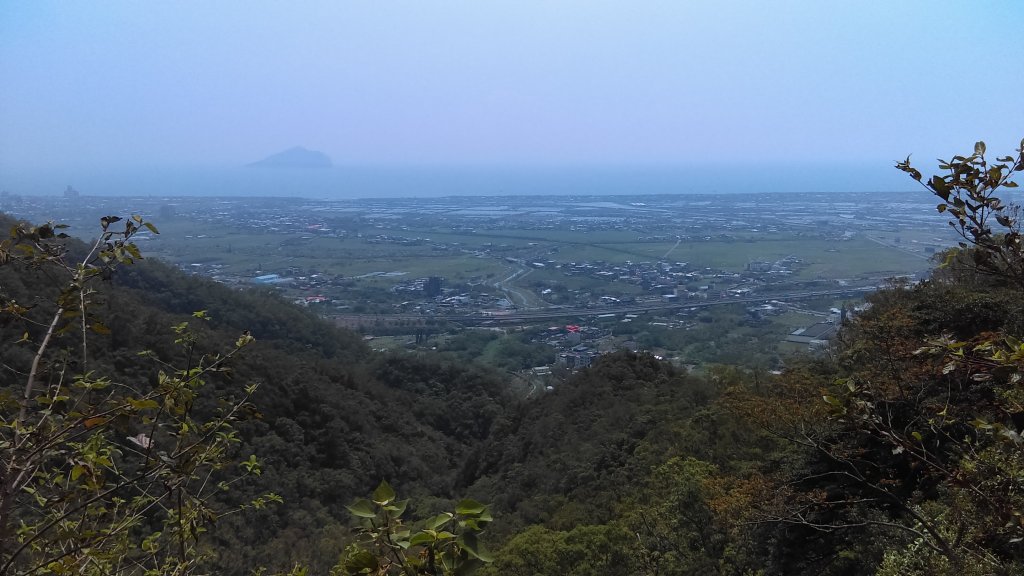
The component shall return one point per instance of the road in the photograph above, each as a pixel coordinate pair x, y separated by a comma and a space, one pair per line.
637, 308
674, 246
895, 247
512, 294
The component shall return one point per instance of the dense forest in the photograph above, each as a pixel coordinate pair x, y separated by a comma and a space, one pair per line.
896, 452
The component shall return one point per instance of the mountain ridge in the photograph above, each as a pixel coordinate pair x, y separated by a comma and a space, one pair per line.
294, 157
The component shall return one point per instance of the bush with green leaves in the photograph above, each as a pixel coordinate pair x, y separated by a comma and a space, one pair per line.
443, 545
99, 475
967, 191
919, 437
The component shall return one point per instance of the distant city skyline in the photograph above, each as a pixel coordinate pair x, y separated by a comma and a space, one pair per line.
785, 95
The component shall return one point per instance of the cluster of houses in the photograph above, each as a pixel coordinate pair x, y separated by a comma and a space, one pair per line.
818, 335
576, 346
672, 280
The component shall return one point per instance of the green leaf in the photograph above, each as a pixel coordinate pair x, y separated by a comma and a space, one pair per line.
133, 250
469, 506
144, 404
251, 465
438, 521
421, 538
979, 148
397, 509
384, 493
77, 471
151, 227
474, 548
362, 508
360, 561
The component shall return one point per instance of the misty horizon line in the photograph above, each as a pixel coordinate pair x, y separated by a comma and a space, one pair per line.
461, 165
637, 196
347, 181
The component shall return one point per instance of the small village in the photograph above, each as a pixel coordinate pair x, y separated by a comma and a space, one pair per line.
504, 262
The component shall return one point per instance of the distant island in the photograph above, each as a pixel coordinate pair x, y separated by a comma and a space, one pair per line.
297, 157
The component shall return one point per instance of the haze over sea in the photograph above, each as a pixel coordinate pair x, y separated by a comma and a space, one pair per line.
349, 182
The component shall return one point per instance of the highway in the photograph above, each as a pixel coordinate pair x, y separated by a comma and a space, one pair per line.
659, 305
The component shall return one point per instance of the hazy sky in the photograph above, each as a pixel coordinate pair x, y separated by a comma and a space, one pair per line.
485, 82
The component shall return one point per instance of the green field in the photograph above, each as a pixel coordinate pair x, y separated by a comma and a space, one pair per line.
246, 252
490, 256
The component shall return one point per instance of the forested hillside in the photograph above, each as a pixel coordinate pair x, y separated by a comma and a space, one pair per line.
897, 452
330, 420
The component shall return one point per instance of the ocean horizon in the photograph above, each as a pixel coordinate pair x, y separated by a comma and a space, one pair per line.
354, 182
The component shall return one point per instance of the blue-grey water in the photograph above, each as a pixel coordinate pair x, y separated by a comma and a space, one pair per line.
347, 182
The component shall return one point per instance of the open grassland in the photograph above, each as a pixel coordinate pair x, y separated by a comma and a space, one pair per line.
857, 258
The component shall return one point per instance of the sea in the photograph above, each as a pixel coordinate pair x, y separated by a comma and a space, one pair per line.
353, 182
